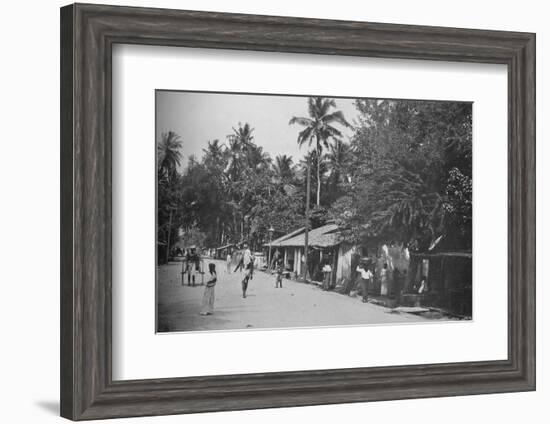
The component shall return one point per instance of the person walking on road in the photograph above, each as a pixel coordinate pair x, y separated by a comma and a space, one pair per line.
248, 265
366, 278
209, 292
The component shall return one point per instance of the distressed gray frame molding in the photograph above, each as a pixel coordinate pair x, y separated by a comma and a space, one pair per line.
88, 33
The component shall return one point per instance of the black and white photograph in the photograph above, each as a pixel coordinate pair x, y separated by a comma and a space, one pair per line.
277, 212
287, 211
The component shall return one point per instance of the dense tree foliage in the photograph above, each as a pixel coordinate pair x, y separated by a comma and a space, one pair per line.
410, 174
404, 175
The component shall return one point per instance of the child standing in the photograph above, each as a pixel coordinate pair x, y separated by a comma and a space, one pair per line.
279, 273
209, 294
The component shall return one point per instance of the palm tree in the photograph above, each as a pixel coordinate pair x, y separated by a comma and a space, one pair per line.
239, 142
256, 158
213, 153
319, 129
338, 162
242, 135
168, 159
168, 154
283, 168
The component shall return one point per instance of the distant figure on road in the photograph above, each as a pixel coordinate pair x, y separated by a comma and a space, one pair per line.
228, 263
209, 293
366, 278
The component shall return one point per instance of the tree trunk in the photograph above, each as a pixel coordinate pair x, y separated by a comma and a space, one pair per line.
306, 234
318, 180
318, 172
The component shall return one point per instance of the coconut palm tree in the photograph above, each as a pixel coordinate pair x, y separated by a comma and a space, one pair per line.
168, 154
213, 153
239, 142
337, 160
283, 168
319, 129
242, 135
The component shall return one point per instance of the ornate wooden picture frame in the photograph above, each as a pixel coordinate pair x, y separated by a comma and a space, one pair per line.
88, 33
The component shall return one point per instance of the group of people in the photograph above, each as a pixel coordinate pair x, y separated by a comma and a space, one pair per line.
365, 270
191, 265
391, 281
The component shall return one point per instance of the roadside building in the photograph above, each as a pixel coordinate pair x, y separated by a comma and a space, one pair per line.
447, 278
323, 244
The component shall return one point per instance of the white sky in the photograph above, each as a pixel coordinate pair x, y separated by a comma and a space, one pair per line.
199, 117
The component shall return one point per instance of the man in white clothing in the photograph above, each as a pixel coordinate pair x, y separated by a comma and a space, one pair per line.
366, 278
248, 266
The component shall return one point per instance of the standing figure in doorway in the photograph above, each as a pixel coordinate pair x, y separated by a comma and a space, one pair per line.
384, 280
327, 272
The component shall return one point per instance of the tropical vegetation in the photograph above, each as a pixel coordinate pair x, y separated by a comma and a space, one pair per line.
405, 174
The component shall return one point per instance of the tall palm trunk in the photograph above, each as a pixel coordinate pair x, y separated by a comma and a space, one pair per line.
318, 171
306, 233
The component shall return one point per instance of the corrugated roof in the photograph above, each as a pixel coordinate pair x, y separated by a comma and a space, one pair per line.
285, 237
325, 236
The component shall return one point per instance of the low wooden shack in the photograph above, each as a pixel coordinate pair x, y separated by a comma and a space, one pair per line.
323, 244
449, 281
